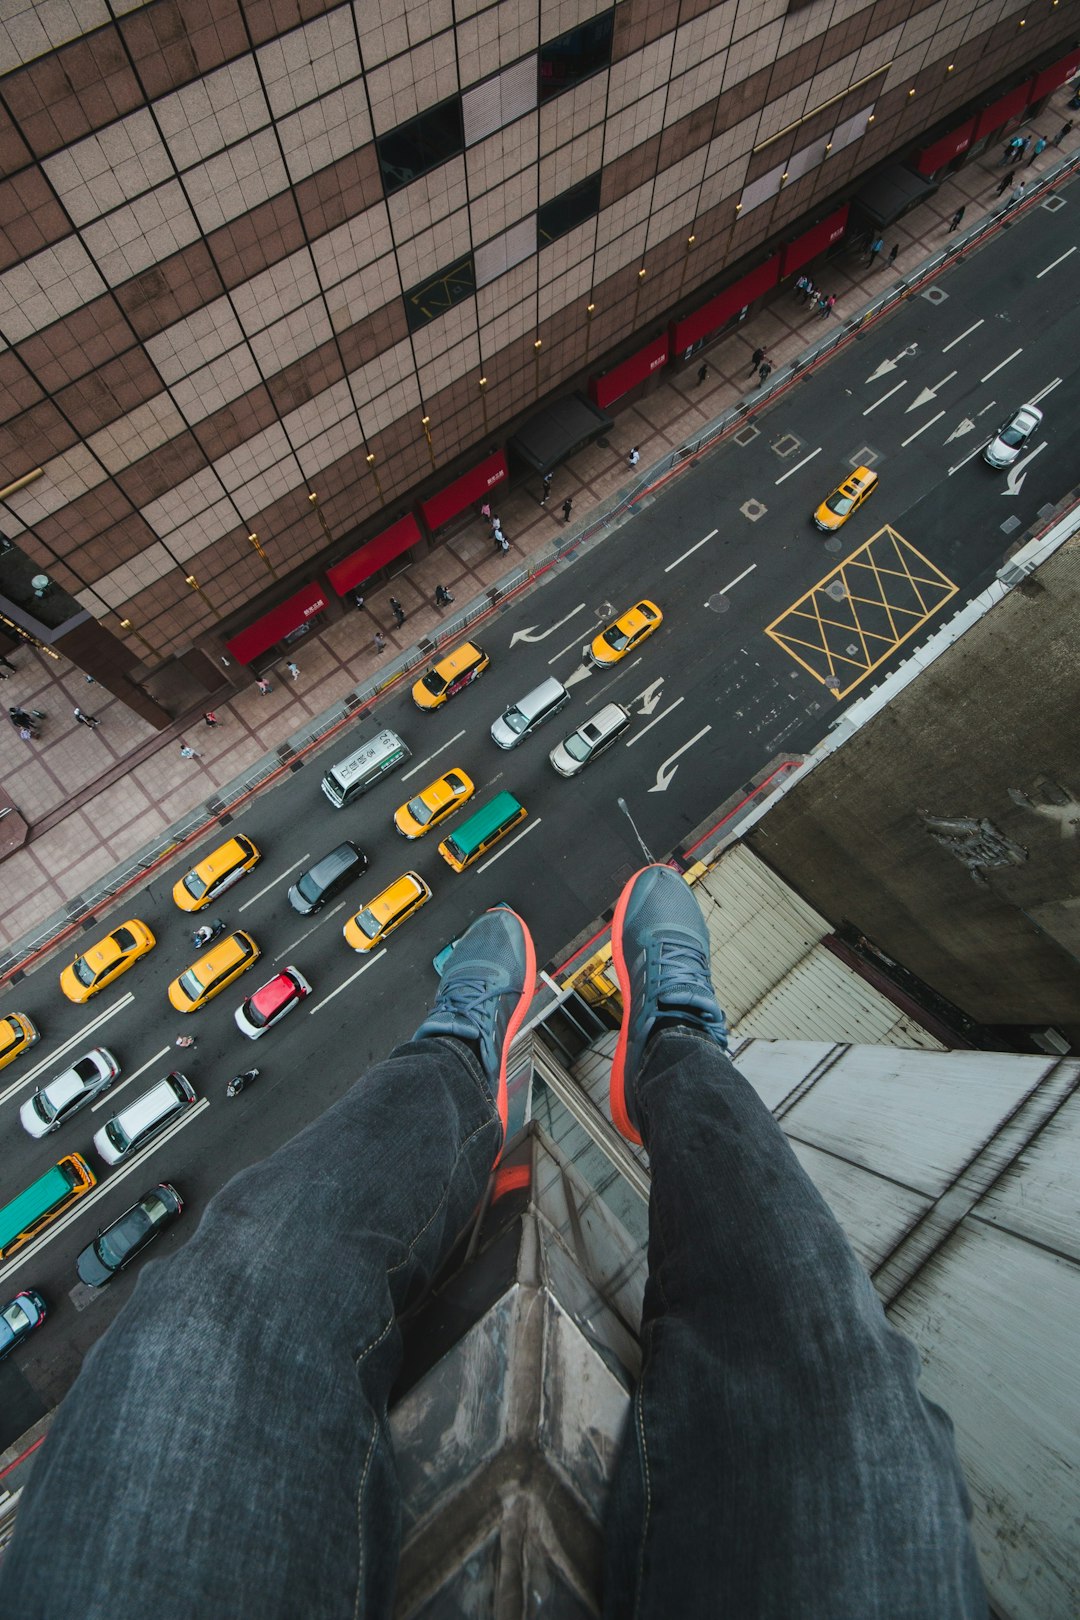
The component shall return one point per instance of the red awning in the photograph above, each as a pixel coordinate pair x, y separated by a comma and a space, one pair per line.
1052, 77
603, 391
933, 158
276, 624
471, 486
719, 310
1000, 111
814, 241
375, 554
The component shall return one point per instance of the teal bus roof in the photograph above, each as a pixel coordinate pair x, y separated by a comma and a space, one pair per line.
468, 837
41, 1196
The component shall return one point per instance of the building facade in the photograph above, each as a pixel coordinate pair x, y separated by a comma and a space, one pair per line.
271, 268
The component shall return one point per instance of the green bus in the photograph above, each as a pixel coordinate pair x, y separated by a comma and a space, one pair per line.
43, 1201
490, 823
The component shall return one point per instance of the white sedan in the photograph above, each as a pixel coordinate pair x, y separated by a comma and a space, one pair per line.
48, 1108
1012, 435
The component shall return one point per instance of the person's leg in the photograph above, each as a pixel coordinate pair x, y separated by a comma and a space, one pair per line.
225, 1450
779, 1459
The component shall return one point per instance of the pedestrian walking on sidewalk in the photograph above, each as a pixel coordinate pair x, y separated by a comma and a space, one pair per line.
264, 686
875, 248
893, 251
380, 642
802, 286
398, 611
703, 372
6, 663
501, 542
189, 753
294, 670
1037, 150
547, 489
1009, 150
1016, 194
20, 718
756, 358
634, 457
1057, 140
358, 600
1019, 148
809, 292
210, 719
954, 223
485, 511
443, 598
764, 371
1003, 183
566, 506
91, 721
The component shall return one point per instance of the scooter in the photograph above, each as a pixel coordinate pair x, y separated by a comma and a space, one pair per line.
239, 1081
207, 934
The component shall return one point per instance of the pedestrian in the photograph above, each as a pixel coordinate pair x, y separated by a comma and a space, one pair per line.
547, 489
801, 286
501, 542
19, 717
566, 505
1057, 140
1020, 146
380, 642
91, 721
398, 611
875, 248
1015, 194
485, 511
823, 305
893, 251
809, 291
763, 370
756, 358
210, 719
954, 223
185, 1041
443, 597
189, 753
27, 733
6, 662
703, 372
1037, 150
358, 599
1005, 181
1008, 151
90, 681
634, 457
264, 685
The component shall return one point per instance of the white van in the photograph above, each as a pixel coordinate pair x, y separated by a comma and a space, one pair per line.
522, 717
365, 766
590, 740
143, 1118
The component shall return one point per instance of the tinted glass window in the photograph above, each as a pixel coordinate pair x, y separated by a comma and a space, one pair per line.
421, 144
575, 56
568, 209
440, 293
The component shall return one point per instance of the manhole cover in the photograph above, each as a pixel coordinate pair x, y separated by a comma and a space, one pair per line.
837, 590
832, 682
934, 295
746, 435
604, 611
865, 457
834, 545
718, 602
1010, 524
787, 445
753, 510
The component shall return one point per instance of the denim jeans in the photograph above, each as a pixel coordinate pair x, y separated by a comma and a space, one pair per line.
225, 1450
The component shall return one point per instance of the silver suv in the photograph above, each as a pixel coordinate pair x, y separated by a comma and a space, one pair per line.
590, 739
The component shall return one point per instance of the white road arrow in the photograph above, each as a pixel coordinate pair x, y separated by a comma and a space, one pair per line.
667, 770
926, 394
531, 634
966, 426
582, 673
1015, 480
890, 365
650, 697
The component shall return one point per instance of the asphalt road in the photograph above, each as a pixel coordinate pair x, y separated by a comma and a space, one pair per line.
727, 551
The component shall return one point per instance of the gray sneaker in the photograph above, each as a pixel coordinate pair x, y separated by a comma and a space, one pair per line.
660, 950
484, 993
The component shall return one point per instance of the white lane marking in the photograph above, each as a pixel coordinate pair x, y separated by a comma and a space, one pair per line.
575, 643
666, 773
1017, 474
323, 917
1054, 264
979, 448
275, 881
105, 1100
884, 397
620, 671
503, 848
923, 429
1037, 399
441, 750
655, 722
28, 1076
30, 1250
531, 634
962, 336
731, 584
799, 464
695, 547
926, 394
371, 961
1004, 363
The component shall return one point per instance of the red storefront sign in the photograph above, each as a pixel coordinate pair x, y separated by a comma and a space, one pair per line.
933, 158
1052, 77
814, 241
374, 554
1000, 111
471, 486
278, 623
719, 310
621, 378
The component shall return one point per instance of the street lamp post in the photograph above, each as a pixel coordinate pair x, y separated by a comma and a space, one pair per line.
625, 808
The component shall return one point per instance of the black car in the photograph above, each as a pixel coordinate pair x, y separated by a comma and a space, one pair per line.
327, 878
117, 1245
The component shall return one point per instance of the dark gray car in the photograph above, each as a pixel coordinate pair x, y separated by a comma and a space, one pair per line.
327, 878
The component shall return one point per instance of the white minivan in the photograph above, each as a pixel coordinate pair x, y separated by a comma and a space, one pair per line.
523, 717
140, 1120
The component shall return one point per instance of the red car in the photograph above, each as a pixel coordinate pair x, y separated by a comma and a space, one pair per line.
271, 1003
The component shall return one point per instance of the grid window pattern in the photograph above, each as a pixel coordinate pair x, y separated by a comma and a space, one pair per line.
421, 144
440, 292
568, 210
576, 55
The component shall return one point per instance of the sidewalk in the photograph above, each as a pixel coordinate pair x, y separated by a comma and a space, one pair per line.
96, 797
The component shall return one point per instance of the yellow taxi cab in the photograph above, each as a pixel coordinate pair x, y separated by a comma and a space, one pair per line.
846, 498
433, 804
450, 675
374, 922
214, 971
215, 873
17, 1034
625, 633
105, 961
